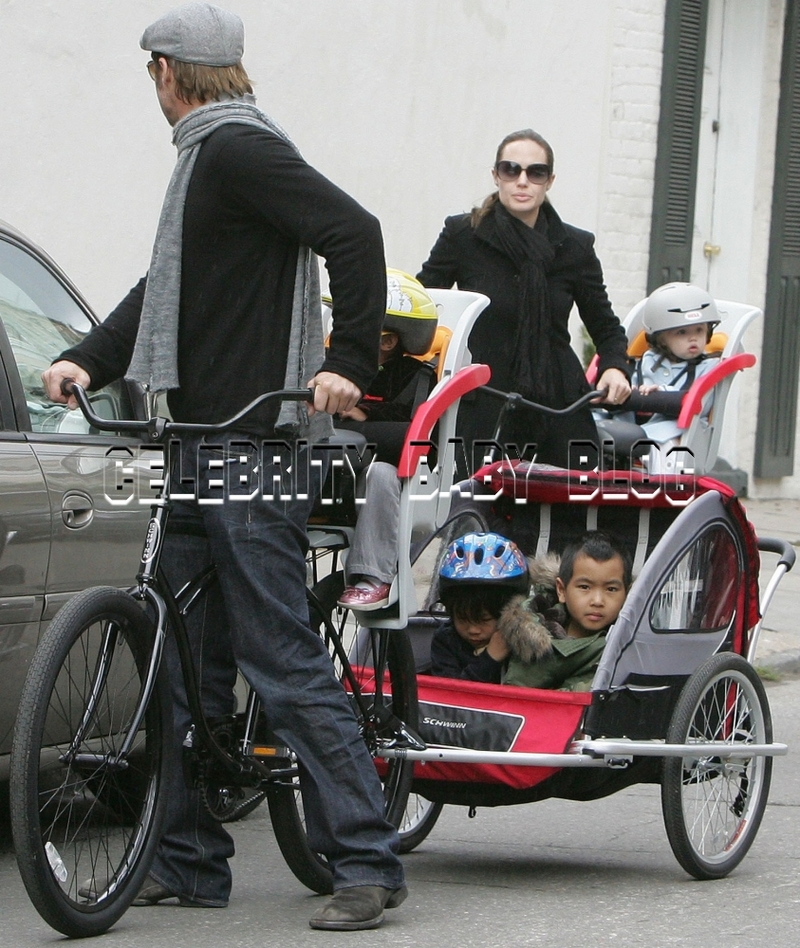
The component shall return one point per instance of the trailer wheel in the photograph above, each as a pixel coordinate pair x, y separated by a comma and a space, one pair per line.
713, 806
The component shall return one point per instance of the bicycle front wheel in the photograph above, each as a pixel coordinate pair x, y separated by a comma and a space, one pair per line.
366, 650
85, 812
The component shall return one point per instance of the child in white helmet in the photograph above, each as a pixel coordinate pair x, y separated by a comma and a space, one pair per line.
679, 320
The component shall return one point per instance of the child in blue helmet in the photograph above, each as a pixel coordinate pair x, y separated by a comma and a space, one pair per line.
551, 639
481, 575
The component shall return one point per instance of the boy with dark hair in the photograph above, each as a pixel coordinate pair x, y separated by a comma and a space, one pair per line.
574, 613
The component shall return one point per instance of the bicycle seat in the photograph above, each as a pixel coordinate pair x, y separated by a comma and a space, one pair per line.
339, 506
625, 434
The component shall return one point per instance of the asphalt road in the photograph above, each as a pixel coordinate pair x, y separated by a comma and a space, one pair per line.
556, 873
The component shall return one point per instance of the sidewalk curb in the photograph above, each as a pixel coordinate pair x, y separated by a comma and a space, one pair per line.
781, 663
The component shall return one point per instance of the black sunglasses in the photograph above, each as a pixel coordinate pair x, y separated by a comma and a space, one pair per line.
510, 171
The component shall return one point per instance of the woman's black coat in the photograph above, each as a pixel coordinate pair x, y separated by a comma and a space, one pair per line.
472, 259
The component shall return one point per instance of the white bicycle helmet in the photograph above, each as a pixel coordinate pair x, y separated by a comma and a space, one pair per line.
678, 304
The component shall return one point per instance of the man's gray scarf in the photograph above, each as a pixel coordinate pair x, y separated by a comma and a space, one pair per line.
155, 355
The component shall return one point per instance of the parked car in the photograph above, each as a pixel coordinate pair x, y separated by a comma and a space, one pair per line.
68, 517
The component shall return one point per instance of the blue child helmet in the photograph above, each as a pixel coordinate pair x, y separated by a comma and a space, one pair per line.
484, 558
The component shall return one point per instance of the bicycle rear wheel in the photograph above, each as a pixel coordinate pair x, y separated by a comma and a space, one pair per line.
86, 819
363, 648
418, 820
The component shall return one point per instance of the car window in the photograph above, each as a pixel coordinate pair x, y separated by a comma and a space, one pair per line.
41, 319
699, 595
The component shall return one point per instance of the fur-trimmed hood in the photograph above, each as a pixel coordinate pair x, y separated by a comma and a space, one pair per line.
543, 571
529, 625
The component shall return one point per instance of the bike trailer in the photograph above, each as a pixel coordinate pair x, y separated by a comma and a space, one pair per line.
695, 596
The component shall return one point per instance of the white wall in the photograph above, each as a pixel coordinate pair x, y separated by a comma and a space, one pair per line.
401, 102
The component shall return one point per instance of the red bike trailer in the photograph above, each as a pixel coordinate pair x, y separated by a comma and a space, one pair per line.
675, 700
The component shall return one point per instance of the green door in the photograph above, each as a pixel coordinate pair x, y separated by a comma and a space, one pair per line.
780, 358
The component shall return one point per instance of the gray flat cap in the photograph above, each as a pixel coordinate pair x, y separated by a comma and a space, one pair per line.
197, 33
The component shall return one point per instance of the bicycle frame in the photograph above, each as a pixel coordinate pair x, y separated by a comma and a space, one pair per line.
171, 610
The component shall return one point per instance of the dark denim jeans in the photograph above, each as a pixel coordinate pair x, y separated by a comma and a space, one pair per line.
256, 617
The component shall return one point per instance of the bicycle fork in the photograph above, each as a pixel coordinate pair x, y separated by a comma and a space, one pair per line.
118, 759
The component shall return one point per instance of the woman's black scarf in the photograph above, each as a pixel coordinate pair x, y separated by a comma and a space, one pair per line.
532, 253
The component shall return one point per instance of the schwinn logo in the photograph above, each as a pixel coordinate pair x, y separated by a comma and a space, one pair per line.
151, 541
437, 722
452, 725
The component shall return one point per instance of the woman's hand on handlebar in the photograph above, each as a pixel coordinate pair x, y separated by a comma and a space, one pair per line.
618, 388
56, 374
333, 393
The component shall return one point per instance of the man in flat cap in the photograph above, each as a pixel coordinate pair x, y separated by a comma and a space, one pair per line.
230, 309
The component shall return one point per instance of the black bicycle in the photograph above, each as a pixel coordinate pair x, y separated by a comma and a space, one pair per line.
94, 738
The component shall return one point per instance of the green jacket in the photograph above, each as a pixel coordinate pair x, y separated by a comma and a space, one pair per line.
542, 654
570, 666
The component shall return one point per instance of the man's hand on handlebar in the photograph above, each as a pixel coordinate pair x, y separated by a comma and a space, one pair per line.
333, 393
56, 374
617, 385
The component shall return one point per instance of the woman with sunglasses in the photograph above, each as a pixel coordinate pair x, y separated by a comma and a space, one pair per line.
516, 250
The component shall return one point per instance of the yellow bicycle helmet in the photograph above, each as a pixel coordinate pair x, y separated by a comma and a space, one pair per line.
410, 312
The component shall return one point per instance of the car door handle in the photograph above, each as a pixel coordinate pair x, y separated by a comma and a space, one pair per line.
77, 509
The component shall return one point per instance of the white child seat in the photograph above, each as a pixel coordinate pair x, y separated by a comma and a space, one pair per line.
701, 436
427, 488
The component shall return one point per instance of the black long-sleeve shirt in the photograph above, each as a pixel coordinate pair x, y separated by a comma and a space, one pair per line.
393, 393
453, 657
252, 201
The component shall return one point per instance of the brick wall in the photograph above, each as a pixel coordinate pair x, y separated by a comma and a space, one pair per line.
626, 180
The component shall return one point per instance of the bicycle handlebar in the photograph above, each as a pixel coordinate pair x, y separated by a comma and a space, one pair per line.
158, 427
513, 399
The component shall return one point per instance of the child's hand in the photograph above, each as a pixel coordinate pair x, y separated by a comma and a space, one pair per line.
497, 647
355, 414
648, 389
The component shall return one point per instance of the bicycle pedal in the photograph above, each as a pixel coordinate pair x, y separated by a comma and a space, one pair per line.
268, 752
405, 739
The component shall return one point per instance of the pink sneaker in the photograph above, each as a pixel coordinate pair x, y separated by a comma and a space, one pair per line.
366, 596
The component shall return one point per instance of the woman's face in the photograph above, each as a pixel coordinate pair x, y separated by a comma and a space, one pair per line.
521, 197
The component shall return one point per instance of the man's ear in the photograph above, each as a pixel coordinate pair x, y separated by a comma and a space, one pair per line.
561, 589
166, 74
